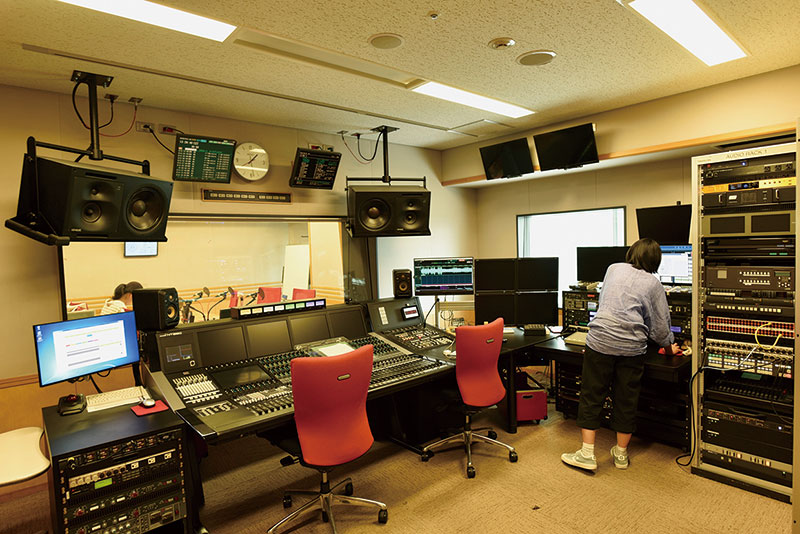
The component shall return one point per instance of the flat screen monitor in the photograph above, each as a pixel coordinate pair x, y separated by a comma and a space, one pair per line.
676, 265
669, 225
309, 328
497, 274
490, 306
203, 159
507, 160
221, 345
567, 148
537, 274
539, 308
70, 349
443, 276
141, 248
347, 323
239, 376
593, 261
314, 168
268, 338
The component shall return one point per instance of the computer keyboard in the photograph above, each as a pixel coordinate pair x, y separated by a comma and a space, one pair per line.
119, 397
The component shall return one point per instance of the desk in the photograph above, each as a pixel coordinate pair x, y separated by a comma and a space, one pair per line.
664, 401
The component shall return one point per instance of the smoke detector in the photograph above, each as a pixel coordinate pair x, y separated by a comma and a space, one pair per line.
386, 41
501, 43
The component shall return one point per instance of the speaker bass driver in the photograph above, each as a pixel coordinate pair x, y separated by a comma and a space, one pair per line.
374, 211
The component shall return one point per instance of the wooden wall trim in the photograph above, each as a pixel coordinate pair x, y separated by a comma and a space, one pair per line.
18, 381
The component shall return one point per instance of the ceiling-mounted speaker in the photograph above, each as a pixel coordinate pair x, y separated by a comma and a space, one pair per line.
374, 211
92, 203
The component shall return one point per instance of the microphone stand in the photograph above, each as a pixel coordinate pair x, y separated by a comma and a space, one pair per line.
223, 296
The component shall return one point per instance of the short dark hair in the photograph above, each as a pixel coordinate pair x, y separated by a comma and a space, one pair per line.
645, 254
125, 288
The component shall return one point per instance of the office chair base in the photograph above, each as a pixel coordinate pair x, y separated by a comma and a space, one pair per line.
467, 438
325, 500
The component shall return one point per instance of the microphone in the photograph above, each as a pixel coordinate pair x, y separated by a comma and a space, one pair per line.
205, 291
261, 293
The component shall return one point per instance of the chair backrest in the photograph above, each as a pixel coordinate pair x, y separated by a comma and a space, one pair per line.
300, 294
330, 406
268, 294
234, 300
477, 351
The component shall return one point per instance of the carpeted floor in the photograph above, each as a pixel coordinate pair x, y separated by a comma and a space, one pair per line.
244, 483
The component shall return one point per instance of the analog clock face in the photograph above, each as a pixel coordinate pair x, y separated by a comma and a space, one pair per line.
250, 161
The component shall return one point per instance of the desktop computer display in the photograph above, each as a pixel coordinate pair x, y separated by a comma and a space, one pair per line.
70, 349
443, 276
593, 261
537, 274
676, 264
539, 308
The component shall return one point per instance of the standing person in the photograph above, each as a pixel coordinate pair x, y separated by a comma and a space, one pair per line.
633, 307
121, 300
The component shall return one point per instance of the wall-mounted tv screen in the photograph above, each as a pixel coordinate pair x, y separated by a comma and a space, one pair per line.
314, 168
203, 159
567, 148
593, 261
141, 248
443, 276
507, 160
669, 225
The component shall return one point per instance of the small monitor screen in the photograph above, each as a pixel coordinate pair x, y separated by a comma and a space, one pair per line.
221, 345
489, 307
71, 349
507, 160
669, 225
141, 248
593, 261
203, 159
495, 274
537, 274
567, 148
309, 328
314, 168
347, 323
268, 338
539, 308
676, 264
228, 378
443, 276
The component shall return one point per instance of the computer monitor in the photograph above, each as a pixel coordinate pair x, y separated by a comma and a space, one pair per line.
490, 306
203, 159
593, 261
669, 225
70, 349
305, 329
314, 168
221, 345
537, 274
539, 308
443, 276
495, 274
676, 264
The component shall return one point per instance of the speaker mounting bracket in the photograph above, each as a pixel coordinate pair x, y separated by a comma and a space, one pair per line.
383, 131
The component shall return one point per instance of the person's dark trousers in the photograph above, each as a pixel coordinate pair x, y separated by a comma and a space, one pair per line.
623, 374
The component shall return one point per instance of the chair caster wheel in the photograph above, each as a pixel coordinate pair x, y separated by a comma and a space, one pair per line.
325, 516
537, 421
470, 472
512, 457
383, 516
348, 489
287, 501
491, 434
425, 456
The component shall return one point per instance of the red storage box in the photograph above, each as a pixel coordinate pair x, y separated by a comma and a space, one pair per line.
531, 405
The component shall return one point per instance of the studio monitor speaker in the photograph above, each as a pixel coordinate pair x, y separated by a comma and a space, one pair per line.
374, 211
156, 309
401, 282
92, 203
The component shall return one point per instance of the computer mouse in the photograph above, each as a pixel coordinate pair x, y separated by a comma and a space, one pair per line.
148, 403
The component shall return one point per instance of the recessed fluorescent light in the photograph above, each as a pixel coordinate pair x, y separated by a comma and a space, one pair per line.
692, 28
158, 15
471, 99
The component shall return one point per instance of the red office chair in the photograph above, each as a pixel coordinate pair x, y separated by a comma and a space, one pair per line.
267, 295
234, 300
300, 294
330, 396
477, 352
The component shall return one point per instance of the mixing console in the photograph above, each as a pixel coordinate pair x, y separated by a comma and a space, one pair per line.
279, 364
396, 369
379, 346
416, 339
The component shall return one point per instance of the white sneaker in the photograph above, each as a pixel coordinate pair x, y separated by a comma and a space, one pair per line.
577, 459
620, 458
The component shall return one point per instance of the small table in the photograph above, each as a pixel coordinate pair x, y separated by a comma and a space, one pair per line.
21, 454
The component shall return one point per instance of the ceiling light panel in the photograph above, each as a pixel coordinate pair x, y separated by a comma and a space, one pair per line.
692, 28
466, 98
162, 16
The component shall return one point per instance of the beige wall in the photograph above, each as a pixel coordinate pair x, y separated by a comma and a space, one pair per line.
758, 101
635, 186
29, 271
